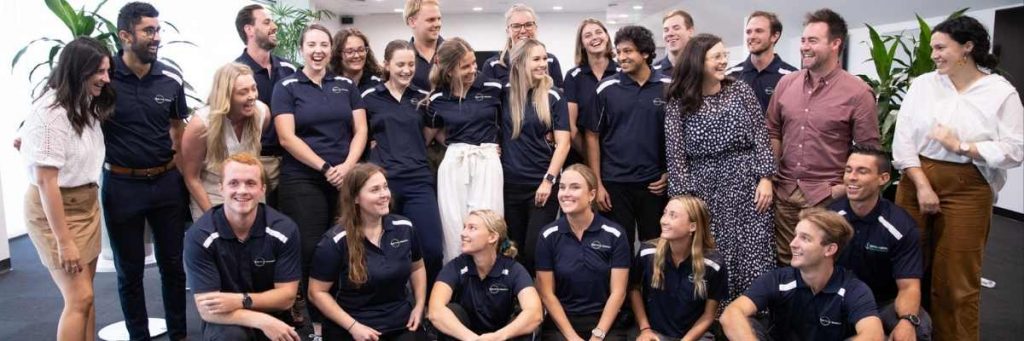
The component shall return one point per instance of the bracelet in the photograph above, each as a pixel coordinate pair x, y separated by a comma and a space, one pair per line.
643, 329
352, 325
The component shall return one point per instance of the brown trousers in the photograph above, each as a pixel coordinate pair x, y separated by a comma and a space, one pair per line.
952, 242
787, 214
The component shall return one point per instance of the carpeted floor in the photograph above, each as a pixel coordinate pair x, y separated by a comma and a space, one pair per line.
30, 303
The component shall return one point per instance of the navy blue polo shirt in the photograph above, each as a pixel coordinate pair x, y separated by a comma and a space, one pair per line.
763, 82
582, 267
664, 66
383, 302
323, 116
421, 79
472, 120
581, 85
265, 81
490, 301
886, 246
525, 159
631, 121
799, 314
673, 309
218, 261
139, 134
368, 81
397, 126
494, 69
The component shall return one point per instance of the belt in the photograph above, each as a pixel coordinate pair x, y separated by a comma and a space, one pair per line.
148, 172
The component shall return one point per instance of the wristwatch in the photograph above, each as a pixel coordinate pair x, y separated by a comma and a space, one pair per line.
914, 320
964, 148
325, 168
598, 333
246, 301
550, 178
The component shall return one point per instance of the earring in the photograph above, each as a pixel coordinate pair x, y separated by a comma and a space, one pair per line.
962, 61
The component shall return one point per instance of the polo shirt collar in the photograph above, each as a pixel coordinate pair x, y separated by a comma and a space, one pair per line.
563, 225
872, 216
610, 69
121, 67
478, 84
301, 76
774, 66
252, 64
412, 41
223, 228
496, 270
835, 282
655, 76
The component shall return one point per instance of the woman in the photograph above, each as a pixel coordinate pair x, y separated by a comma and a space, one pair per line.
477, 293
533, 111
231, 123
958, 131
396, 127
678, 279
520, 24
321, 123
594, 61
582, 265
717, 150
62, 145
467, 107
371, 255
353, 59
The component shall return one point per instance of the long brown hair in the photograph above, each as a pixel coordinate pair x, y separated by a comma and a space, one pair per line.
79, 60
351, 220
220, 106
496, 224
520, 84
370, 65
449, 56
700, 243
688, 78
582, 58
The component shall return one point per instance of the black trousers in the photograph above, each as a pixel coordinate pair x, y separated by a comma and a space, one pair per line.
583, 325
636, 208
313, 204
525, 219
224, 332
332, 332
129, 202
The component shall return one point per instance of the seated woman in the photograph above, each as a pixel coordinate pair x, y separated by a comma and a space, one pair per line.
582, 265
680, 278
372, 255
232, 123
476, 293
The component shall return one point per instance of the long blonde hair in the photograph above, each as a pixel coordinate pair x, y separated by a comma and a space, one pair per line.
521, 81
449, 56
700, 243
518, 7
220, 106
496, 224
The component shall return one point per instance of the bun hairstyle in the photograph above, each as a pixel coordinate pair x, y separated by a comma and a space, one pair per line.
965, 29
496, 224
389, 52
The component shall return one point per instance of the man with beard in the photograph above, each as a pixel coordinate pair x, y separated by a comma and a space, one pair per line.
259, 33
626, 137
763, 69
141, 184
243, 260
677, 28
814, 117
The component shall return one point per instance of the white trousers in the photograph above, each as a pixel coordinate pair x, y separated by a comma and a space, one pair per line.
469, 178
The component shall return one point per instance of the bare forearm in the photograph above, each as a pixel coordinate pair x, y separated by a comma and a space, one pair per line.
736, 327
330, 309
561, 153
198, 192
240, 317
53, 209
445, 320
301, 151
611, 309
636, 301
276, 299
917, 176
356, 148
557, 314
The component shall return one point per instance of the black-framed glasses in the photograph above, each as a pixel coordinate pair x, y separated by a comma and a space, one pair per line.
529, 25
354, 51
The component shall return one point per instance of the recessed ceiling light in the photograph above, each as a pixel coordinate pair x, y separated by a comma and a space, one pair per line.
478, 9
623, 16
638, 7
557, 8
612, 22
398, 10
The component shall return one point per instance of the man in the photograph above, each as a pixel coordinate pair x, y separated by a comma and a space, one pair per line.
243, 260
814, 299
259, 34
763, 69
424, 18
885, 251
626, 140
141, 184
677, 28
814, 117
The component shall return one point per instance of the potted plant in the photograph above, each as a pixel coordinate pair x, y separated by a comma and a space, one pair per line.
290, 23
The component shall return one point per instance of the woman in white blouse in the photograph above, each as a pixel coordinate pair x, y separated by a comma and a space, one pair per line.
62, 145
958, 132
231, 123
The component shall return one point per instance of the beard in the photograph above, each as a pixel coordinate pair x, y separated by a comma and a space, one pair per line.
141, 51
758, 50
264, 42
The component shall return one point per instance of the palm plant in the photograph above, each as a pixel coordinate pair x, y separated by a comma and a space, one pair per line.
290, 23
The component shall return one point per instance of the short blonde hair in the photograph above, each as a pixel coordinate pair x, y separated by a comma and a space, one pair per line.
412, 7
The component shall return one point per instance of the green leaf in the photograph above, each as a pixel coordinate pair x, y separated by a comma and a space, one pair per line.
958, 13
65, 13
87, 25
17, 56
172, 42
922, 61
33, 71
879, 55
175, 28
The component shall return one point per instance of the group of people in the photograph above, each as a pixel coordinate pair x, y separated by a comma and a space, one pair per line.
418, 196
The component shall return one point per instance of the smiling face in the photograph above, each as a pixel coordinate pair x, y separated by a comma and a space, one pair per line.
537, 63
144, 40
264, 30
862, 178
818, 52
353, 54
806, 246
574, 193
758, 35
676, 224
476, 237
946, 52
594, 38
374, 199
715, 62
244, 95
242, 187
316, 49
426, 24
99, 79
402, 67
630, 59
466, 71
676, 34
521, 25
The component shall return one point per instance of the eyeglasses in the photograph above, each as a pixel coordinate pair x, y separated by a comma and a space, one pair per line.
149, 32
720, 56
354, 51
529, 25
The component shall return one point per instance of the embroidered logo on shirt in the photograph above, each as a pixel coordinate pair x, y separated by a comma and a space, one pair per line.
496, 288
768, 90
481, 97
690, 277
659, 102
395, 243
596, 245
260, 262
875, 248
826, 321
160, 99
337, 89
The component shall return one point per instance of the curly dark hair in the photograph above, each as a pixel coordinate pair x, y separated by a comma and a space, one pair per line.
965, 29
370, 65
639, 36
132, 12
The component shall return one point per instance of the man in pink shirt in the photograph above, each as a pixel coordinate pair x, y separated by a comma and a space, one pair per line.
814, 117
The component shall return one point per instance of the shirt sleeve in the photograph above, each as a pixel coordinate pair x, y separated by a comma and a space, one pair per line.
764, 291
289, 259
907, 260
283, 101
569, 87
520, 278
592, 115
636, 274
180, 105
203, 275
449, 274
414, 246
718, 283
45, 137
488, 70
865, 120
433, 119
328, 259
621, 259
355, 97
559, 113
764, 160
906, 136
1007, 150
543, 256
774, 111
859, 303
555, 70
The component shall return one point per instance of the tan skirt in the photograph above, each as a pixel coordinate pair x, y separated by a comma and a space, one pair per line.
82, 213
